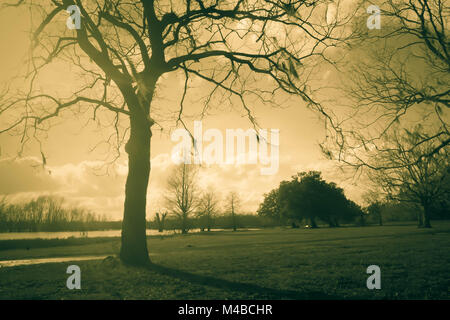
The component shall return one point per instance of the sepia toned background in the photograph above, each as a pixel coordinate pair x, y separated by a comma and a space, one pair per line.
82, 177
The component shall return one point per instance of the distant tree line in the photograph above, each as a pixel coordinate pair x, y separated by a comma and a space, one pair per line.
48, 213
306, 199
381, 211
380, 214
219, 221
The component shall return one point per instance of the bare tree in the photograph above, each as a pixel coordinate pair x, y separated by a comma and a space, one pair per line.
398, 79
375, 201
233, 202
244, 50
182, 194
411, 177
208, 209
160, 219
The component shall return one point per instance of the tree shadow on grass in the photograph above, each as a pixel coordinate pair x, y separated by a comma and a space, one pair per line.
254, 291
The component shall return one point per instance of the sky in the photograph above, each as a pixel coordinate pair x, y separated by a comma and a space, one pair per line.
79, 174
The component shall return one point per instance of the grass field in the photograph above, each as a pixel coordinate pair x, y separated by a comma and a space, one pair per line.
267, 264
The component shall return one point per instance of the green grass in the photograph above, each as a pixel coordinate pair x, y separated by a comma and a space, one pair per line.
266, 264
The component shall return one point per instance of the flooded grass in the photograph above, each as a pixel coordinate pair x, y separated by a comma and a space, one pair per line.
263, 264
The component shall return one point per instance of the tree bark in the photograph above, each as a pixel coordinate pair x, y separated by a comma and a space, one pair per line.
134, 240
184, 224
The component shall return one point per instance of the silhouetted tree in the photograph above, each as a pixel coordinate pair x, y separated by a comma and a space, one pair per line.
160, 218
182, 194
308, 196
270, 206
335, 206
207, 209
234, 203
375, 210
293, 203
408, 176
375, 203
399, 78
124, 50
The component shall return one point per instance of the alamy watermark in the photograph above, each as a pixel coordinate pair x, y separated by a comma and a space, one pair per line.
74, 20
73, 281
374, 20
239, 147
374, 280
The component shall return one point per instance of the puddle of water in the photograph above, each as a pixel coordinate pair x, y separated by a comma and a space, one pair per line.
24, 262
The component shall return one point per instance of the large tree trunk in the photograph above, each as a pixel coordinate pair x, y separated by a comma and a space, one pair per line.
134, 240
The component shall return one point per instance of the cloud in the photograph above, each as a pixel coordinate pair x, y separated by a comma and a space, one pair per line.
88, 178
80, 184
25, 175
84, 184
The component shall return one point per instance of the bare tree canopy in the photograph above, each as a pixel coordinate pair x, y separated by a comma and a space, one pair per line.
183, 194
399, 77
409, 177
207, 209
243, 49
233, 204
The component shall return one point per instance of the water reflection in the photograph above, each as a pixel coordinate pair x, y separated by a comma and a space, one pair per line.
88, 234
23, 262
